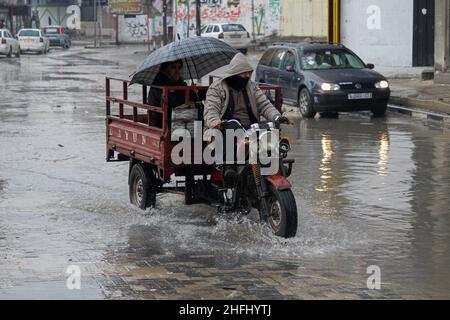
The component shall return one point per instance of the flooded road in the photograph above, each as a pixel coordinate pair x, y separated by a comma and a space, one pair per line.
369, 192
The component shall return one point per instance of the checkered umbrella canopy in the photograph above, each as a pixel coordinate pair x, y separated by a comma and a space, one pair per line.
203, 55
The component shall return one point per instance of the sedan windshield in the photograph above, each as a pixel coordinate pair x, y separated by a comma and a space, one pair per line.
29, 33
232, 27
330, 59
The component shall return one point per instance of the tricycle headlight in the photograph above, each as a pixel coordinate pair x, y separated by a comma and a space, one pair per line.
382, 84
330, 87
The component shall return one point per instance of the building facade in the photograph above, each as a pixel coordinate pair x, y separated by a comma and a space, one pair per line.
401, 33
263, 18
15, 14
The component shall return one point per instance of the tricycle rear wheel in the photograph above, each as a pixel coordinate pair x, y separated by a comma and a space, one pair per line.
142, 184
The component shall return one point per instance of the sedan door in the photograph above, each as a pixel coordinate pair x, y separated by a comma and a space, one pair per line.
273, 72
289, 76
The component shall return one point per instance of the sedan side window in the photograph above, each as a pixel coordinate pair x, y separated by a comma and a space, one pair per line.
289, 60
216, 29
266, 58
277, 58
209, 29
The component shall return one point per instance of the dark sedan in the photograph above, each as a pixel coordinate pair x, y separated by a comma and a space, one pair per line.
324, 78
57, 36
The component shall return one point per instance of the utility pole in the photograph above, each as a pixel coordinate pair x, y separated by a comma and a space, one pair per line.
253, 21
95, 23
165, 22
197, 18
100, 24
188, 17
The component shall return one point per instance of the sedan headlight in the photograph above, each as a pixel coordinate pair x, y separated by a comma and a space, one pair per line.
382, 84
330, 87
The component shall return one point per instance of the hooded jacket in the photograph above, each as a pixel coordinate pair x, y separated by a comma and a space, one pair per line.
218, 95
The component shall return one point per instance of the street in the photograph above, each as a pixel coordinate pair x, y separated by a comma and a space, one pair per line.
371, 193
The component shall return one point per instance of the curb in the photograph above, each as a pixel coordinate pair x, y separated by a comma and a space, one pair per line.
433, 106
420, 114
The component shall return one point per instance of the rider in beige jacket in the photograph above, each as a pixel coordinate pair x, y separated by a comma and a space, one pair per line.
218, 96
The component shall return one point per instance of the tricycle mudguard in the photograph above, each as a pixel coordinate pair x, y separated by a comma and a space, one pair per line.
279, 182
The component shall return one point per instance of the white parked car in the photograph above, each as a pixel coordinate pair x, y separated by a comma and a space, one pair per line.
33, 40
232, 33
8, 44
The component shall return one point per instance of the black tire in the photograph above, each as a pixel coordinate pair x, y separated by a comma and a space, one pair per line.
282, 212
305, 104
9, 54
380, 111
142, 186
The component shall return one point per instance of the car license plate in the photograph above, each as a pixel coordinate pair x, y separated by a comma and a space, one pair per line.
235, 36
358, 96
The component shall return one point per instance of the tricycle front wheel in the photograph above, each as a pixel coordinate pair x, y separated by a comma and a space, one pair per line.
142, 186
282, 215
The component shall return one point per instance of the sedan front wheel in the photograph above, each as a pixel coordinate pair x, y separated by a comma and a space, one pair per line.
305, 104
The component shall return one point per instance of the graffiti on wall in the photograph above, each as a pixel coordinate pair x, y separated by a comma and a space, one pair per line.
133, 29
265, 17
136, 29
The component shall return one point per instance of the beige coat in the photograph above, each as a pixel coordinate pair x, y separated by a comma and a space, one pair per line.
218, 95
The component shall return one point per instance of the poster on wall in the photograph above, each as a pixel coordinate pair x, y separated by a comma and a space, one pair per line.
125, 6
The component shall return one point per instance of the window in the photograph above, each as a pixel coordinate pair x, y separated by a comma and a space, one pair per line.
216, 29
233, 27
209, 29
266, 58
29, 33
277, 58
331, 59
289, 60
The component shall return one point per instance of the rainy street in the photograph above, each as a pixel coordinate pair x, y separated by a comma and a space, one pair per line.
371, 193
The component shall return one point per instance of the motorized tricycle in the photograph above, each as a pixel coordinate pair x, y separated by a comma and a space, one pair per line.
239, 187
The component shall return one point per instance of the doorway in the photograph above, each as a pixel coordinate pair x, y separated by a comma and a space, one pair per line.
423, 33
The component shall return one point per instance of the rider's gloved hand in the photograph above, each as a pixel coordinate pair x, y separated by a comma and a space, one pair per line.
282, 119
216, 124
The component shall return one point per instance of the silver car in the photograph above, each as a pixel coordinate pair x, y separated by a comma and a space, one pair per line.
8, 44
233, 34
33, 40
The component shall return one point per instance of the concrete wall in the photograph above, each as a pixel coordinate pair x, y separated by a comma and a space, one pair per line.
442, 41
133, 30
379, 31
55, 15
266, 15
304, 18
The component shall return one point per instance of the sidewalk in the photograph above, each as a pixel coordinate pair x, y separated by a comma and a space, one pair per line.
418, 94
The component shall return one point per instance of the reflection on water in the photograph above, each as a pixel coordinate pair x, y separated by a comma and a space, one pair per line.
325, 162
383, 154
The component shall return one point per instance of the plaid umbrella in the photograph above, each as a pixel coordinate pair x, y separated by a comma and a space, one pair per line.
201, 54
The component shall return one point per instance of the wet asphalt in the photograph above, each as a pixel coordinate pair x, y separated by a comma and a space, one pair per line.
370, 192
